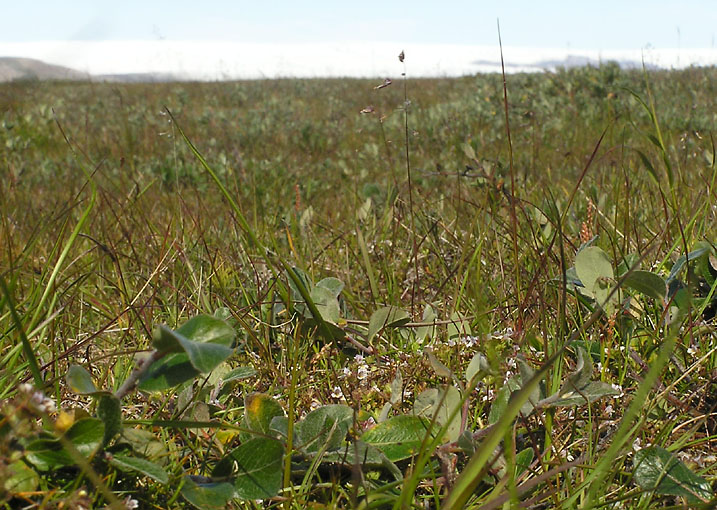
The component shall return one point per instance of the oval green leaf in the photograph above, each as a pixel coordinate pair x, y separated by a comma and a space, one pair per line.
386, 317
259, 410
656, 469
144, 467
647, 283
259, 468
207, 496
399, 437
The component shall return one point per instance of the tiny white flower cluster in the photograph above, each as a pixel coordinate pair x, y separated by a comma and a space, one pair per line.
337, 392
488, 396
362, 370
38, 399
506, 334
466, 341
618, 388
130, 504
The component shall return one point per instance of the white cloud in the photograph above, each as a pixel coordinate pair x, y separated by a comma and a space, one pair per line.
233, 60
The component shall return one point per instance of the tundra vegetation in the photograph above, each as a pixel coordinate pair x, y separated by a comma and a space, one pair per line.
434, 293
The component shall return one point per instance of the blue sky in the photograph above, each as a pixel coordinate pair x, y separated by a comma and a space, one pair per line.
597, 25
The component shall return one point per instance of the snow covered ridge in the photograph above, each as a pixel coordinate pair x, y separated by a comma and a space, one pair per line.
208, 60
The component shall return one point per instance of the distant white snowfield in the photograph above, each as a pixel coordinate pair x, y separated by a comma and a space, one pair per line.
204, 60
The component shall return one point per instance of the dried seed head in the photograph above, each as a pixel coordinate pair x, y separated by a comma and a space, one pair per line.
385, 83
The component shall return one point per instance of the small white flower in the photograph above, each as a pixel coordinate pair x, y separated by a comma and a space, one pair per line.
512, 363
692, 350
618, 388
315, 405
609, 410
470, 341
636, 444
599, 366
362, 372
346, 371
451, 342
358, 358
42, 403
337, 392
130, 504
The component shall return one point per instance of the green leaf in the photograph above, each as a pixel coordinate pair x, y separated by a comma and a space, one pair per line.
441, 404
656, 469
20, 478
682, 260
109, 410
526, 374
86, 435
704, 266
458, 327
397, 388
387, 317
80, 381
259, 410
523, 460
144, 467
593, 391
578, 387
144, 443
326, 303
204, 356
199, 346
594, 269
579, 379
500, 402
207, 496
333, 285
427, 332
303, 279
357, 452
200, 329
170, 371
239, 373
478, 367
647, 283
324, 428
399, 437
631, 260
439, 368
259, 468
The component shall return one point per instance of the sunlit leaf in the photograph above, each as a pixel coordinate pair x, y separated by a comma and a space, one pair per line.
80, 381
647, 283
207, 496
259, 410
144, 467
258, 468
440, 405
656, 469
399, 437
387, 317
85, 435
109, 410
324, 428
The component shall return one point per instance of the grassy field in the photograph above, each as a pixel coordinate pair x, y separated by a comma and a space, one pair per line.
435, 294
